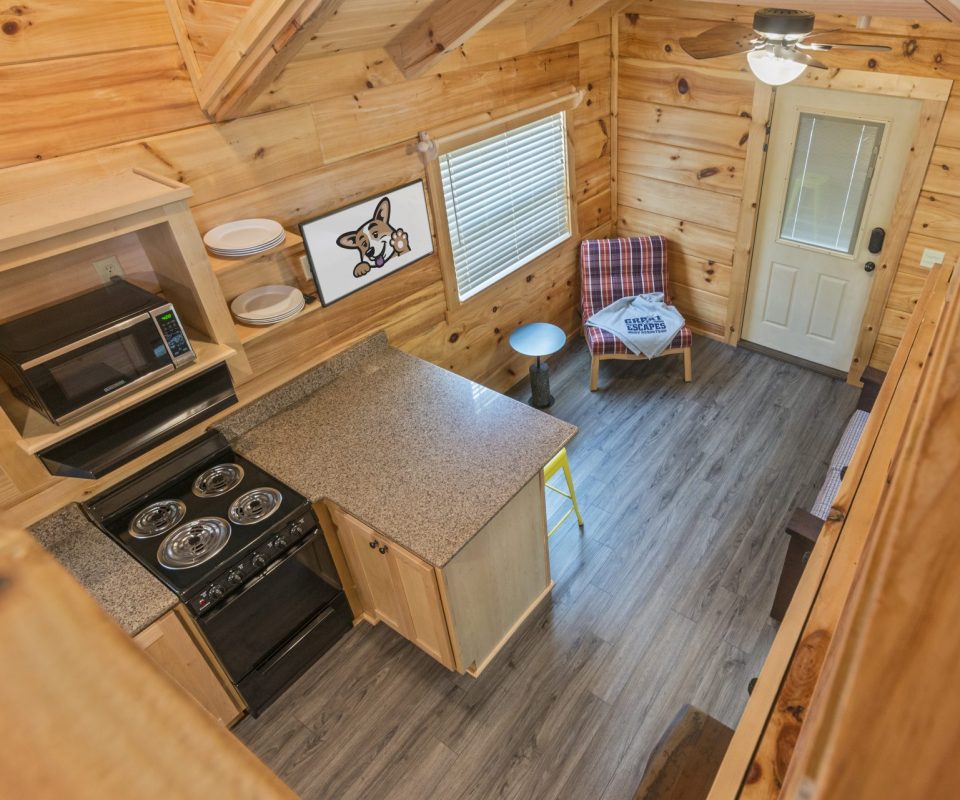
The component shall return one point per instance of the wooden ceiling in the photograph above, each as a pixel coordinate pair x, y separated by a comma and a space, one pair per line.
234, 49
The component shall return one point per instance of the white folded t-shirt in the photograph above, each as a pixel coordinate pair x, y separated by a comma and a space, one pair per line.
644, 323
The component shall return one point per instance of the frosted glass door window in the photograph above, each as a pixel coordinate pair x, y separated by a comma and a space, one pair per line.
833, 163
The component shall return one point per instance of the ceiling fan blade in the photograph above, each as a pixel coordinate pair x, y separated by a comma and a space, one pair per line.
723, 40
820, 33
823, 47
802, 58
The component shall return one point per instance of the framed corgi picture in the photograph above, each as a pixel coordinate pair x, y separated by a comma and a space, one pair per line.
358, 245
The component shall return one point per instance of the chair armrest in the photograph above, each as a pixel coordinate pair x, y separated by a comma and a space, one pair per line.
804, 524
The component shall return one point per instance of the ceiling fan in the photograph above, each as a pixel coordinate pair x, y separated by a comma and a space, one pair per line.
777, 48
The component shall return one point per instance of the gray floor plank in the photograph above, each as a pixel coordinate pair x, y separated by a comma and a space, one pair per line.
661, 599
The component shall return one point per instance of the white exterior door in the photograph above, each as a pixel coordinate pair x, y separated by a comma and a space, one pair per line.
834, 166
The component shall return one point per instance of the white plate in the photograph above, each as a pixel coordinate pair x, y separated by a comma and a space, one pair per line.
272, 243
250, 252
275, 318
267, 303
268, 323
244, 234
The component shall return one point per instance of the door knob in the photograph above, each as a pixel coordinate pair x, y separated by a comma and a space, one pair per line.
877, 235
383, 549
869, 266
374, 544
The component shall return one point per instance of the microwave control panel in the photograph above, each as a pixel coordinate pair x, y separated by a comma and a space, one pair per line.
174, 336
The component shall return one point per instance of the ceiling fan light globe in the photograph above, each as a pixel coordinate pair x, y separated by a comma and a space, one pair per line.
772, 70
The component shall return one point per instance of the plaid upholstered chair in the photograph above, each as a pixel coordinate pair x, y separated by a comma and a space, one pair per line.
615, 268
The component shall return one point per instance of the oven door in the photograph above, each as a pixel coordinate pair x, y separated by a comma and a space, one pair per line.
276, 626
90, 373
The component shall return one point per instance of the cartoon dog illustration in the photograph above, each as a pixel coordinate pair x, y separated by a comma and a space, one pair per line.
376, 240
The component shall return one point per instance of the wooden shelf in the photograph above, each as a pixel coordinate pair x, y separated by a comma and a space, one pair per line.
250, 333
290, 242
37, 432
72, 208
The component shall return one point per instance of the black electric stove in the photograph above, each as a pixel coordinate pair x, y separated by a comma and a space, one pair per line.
243, 551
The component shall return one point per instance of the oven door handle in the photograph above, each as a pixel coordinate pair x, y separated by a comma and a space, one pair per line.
294, 640
248, 586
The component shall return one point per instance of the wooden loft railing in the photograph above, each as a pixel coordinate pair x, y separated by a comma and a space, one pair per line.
822, 712
80, 699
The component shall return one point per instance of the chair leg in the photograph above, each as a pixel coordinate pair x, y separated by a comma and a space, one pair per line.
573, 492
688, 364
594, 373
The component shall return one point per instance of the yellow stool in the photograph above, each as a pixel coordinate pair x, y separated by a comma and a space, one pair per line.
557, 463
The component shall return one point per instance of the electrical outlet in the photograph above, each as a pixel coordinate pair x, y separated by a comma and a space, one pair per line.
931, 257
108, 268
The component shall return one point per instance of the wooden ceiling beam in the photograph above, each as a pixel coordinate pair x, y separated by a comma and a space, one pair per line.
268, 36
948, 8
443, 27
549, 25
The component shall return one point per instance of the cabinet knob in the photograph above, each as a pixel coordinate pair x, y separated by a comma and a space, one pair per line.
374, 544
383, 549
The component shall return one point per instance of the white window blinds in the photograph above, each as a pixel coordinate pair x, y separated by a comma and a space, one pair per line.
506, 200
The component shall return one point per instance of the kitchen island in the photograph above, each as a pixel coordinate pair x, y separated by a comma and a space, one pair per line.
411, 460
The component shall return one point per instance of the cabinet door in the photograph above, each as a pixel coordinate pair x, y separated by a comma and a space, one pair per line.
428, 624
381, 595
170, 647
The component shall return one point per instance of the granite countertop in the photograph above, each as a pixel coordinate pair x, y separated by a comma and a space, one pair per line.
123, 588
418, 453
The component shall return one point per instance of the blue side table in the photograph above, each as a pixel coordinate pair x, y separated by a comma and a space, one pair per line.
538, 339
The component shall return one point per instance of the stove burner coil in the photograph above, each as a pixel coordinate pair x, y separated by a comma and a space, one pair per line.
157, 518
254, 506
218, 480
194, 543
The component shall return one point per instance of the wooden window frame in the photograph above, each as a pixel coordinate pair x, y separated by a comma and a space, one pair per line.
446, 142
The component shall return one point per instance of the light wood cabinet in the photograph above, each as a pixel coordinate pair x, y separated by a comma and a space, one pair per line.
171, 647
463, 613
419, 585
373, 570
395, 587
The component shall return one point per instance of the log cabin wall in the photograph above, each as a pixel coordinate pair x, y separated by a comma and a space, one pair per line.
682, 133
94, 93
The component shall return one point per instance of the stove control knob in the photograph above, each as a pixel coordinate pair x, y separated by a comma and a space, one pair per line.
278, 542
235, 577
296, 528
258, 560
215, 592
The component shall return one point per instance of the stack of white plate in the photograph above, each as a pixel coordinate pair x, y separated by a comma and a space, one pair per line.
244, 237
267, 305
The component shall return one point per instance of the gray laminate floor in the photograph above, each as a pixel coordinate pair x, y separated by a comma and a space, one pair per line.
661, 600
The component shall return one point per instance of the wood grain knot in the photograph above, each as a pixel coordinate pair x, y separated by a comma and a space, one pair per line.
454, 336
11, 28
910, 47
786, 742
754, 773
682, 86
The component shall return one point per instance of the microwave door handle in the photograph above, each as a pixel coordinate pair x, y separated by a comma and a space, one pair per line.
93, 337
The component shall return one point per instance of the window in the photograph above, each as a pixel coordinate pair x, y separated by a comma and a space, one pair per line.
833, 163
506, 200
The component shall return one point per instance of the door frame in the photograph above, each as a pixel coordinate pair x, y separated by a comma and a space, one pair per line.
933, 94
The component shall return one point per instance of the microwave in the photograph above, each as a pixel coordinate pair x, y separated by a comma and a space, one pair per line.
71, 358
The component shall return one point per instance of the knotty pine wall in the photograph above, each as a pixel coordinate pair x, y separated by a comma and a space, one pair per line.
88, 93
682, 133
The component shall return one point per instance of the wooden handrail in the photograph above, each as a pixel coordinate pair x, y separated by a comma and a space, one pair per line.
759, 756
